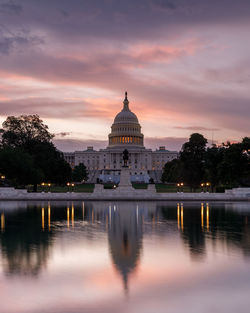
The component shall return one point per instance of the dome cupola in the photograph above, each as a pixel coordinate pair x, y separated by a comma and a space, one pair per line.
126, 129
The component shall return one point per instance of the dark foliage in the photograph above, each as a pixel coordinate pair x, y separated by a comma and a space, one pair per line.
79, 173
28, 155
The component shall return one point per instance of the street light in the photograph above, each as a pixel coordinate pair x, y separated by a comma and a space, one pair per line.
42, 184
178, 187
202, 185
72, 185
2, 177
68, 185
207, 185
181, 184
49, 185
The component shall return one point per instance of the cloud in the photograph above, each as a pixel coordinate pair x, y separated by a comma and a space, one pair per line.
197, 128
17, 42
70, 145
54, 108
62, 134
10, 7
178, 60
164, 4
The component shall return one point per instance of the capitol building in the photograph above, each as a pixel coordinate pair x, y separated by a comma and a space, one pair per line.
105, 164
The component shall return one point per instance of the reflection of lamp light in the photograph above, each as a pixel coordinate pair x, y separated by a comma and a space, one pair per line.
68, 217
207, 210
49, 215
202, 216
43, 218
182, 223
2, 222
178, 215
72, 214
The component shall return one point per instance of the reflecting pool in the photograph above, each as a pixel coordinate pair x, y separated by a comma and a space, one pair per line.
137, 257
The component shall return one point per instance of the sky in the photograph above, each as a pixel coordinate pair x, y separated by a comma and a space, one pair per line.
184, 63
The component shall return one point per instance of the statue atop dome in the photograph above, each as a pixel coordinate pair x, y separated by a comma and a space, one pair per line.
126, 102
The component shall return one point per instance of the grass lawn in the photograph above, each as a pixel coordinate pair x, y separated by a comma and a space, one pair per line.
76, 188
90, 187
172, 188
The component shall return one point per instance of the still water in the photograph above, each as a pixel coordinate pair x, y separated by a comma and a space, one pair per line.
143, 257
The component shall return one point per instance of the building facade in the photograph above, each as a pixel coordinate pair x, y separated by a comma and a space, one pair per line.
106, 164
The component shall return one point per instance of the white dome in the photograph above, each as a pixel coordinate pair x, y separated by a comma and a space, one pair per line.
126, 129
126, 116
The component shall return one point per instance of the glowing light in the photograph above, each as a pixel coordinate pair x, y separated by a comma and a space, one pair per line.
202, 216
207, 211
67, 216
49, 216
2, 222
72, 214
182, 223
43, 218
178, 215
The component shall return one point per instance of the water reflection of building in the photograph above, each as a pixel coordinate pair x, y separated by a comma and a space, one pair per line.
28, 230
125, 239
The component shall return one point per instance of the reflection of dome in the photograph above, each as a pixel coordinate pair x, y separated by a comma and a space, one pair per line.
125, 240
126, 128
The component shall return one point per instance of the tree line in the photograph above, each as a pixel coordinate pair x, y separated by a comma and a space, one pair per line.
224, 166
28, 155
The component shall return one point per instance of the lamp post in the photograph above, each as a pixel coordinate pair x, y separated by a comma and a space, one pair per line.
182, 184
49, 185
207, 185
72, 185
68, 185
42, 184
178, 187
202, 185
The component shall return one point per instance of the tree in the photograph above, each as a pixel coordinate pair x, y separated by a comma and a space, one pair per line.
18, 167
79, 173
213, 159
235, 166
29, 135
192, 158
172, 171
20, 131
50, 161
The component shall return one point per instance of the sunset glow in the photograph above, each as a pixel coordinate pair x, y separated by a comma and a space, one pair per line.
185, 65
